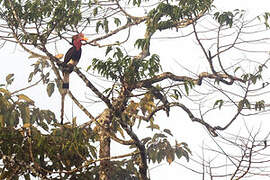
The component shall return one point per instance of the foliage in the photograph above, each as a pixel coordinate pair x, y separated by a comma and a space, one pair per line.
121, 66
159, 148
227, 18
33, 135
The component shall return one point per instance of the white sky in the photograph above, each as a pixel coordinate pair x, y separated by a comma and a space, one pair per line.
15, 60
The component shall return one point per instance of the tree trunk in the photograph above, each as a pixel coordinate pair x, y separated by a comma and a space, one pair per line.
105, 142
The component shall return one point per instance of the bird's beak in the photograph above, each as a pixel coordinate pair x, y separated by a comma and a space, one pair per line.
84, 38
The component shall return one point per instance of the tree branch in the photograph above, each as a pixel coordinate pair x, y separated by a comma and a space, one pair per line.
143, 163
171, 76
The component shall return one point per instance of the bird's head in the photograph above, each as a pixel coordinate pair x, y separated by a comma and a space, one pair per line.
76, 40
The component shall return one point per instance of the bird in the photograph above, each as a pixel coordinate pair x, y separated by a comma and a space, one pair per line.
71, 59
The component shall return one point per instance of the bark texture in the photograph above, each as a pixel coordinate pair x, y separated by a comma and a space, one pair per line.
105, 142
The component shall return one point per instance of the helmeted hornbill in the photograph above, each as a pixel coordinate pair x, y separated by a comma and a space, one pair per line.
71, 59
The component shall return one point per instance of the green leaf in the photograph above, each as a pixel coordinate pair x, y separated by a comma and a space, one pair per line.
186, 88
159, 135
152, 155
160, 156
236, 69
4, 91
106, 25
145, 140
44, 126
25, 98
93, 151
107, 90
168, 131
140, 43
117, 21
9, 78
244, 103
260, 105
33, 56
25, 114
27, 176
50, 89
240, 105
170, 157
109, 48
95, 11
2, 123
30, 77
176, 94
185, 154
179, 152
247, 103
98, 24
220, 102
153, 126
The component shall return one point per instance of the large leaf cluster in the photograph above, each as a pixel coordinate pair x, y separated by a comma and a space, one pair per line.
159, 148
167, 15
227, 18
20, 110
32, 143
48, 16
30, 136
121, 66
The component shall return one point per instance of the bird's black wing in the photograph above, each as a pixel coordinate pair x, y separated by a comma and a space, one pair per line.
68, 55
76, 55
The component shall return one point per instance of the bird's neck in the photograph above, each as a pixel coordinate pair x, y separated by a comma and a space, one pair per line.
77, 44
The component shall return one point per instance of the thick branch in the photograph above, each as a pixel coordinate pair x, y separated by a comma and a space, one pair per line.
143, 163
189, 113
171, 76
105, 145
